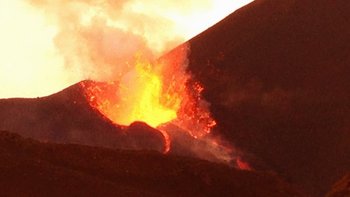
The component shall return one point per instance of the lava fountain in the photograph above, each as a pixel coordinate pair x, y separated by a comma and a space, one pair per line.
157, 93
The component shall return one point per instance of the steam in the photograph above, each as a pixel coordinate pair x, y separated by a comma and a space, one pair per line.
47, 45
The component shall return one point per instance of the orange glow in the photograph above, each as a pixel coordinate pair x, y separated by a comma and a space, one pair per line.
147, 98
141, 97
156, 93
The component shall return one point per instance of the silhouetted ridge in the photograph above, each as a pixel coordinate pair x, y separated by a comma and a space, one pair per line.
277, 76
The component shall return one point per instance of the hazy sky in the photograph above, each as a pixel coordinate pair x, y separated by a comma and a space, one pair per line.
48, 45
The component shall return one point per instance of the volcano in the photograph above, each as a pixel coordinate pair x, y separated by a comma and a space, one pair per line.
276, 77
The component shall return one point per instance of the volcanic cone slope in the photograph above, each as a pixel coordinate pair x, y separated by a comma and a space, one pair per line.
277, 76
67, 117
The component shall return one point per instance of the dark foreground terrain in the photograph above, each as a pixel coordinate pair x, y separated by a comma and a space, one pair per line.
341, 188
30, 168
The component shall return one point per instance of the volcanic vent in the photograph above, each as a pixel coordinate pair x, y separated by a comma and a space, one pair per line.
163, 95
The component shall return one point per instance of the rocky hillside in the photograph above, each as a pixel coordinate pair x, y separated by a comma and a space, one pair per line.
31, 168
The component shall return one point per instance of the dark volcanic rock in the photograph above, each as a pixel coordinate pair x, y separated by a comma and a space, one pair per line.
67, 117
30, 168
139, 134
277, 76
341, 188
182, 143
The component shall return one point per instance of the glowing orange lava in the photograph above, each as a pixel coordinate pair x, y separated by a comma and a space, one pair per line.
141, 97
156, 93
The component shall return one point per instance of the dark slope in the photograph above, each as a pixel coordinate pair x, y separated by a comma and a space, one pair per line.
341, 188
30, 168
277, 76
66, 117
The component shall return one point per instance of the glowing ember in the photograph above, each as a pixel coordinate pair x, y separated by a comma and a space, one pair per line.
242, 164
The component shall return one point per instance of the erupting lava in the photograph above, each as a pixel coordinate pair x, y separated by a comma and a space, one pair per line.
139, 96
156, 93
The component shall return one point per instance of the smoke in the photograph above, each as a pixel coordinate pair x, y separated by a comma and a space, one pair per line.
29, 63
47, 45
99, 39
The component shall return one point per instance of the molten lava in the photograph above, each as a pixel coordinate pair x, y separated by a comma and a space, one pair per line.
140, 95
156, 93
